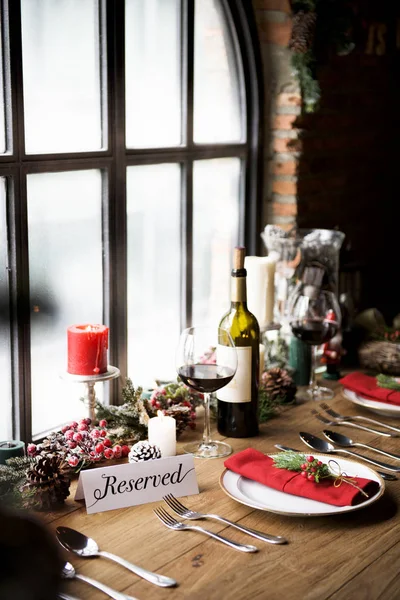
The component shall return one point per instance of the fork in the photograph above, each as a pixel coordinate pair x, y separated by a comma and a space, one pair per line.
172, 523
186, 513
336, 415
349, 424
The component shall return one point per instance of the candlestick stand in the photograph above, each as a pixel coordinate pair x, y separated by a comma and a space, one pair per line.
90, 381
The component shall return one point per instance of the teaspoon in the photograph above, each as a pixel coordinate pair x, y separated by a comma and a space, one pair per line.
69, 572
387, 476
322, 446
343, 440
84, 546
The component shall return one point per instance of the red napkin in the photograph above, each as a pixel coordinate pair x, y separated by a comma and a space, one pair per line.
255, 465
366, 386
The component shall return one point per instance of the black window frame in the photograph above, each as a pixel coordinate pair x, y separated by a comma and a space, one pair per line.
113, 162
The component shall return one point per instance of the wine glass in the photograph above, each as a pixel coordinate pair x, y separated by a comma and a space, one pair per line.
206, 370
314, 316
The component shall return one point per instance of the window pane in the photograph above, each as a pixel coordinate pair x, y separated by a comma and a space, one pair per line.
217, 77
65, 269
3, 145
216, 193
5, 351
60, 51
152, 64
153, 200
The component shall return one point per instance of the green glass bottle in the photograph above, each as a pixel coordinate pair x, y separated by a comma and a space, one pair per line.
238, 401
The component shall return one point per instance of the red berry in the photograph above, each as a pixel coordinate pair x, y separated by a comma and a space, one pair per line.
73, 425
103, 423
95, 434
107, 442
303, 474
31, 449
77, 437
309, 458
313, 470
73, 461
72, 444
99, 448
117, 451
103, 433
108, 453
304, 466
311, 477
319, 463
82, 427
65, 428
87, 421
69, 434
125, 450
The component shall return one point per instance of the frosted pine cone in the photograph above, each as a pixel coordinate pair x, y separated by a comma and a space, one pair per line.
144, 451
303, 31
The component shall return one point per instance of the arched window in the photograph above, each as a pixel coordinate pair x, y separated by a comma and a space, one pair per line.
129, 141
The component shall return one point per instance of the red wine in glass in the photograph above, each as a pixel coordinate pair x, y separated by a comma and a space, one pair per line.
206, 378
314, 331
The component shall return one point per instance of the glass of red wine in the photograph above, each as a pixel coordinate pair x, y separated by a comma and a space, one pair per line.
314, 319
206, 370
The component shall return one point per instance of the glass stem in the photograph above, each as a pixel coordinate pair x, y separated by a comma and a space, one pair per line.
206, 432
313, 374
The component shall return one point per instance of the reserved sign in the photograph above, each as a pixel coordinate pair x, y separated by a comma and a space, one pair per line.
131, 484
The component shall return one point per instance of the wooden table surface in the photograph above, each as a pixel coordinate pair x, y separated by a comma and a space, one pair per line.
350, 556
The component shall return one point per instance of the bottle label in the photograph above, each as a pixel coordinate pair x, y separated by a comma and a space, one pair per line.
239, 388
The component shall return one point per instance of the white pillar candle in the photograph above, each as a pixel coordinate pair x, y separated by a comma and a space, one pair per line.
261, 288
162, 432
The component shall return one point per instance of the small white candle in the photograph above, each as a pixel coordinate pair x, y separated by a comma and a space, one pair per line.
162, 432
261, 288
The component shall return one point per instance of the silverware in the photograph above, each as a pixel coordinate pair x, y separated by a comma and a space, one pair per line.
346, 442
69, 572
322, 446
387, 476
169, 521
62, 596
80, 544
349, 424
337, 415
186, 513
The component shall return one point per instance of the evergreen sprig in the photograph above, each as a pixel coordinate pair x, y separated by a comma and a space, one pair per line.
311, 468
12, 476
386, 381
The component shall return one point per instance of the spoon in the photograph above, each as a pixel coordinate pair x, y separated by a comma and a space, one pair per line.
343, 440
84, 546
62, 596
69, 572
387, 476
322, 446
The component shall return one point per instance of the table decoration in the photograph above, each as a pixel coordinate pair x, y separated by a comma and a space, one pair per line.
89, 381
368, 388
80, 444
87, 349
144, 451
11, 449
386, 381
131, 484
162, 432
261, 288
12, 477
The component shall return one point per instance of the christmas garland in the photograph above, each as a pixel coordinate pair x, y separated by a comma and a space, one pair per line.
318, 25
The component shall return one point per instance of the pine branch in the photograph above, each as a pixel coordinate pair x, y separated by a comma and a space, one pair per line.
289, 460
386, 381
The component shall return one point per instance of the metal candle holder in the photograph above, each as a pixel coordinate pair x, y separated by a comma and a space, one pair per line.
90, 381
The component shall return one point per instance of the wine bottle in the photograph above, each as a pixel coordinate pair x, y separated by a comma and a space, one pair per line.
238, 401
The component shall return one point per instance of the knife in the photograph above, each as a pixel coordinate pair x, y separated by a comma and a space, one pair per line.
387, 476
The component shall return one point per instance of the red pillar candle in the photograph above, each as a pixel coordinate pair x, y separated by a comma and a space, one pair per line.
87, 349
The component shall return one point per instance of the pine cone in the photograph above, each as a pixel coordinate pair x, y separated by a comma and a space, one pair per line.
303, 30
279, 385
144, 451
47, 483
182, 416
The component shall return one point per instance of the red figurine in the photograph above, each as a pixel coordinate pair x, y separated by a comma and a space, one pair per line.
332, 352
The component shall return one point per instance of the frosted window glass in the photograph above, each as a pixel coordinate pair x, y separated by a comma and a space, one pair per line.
60, 52
153, 201
5, 351
152, 66
216, 194
65, 271
3, 145
217, 78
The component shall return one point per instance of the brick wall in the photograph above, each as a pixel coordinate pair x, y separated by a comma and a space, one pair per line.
338, 166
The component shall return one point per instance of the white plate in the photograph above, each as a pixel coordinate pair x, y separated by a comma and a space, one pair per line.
380, 408
260, 496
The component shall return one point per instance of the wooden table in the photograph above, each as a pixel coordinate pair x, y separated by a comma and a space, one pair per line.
352, 556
